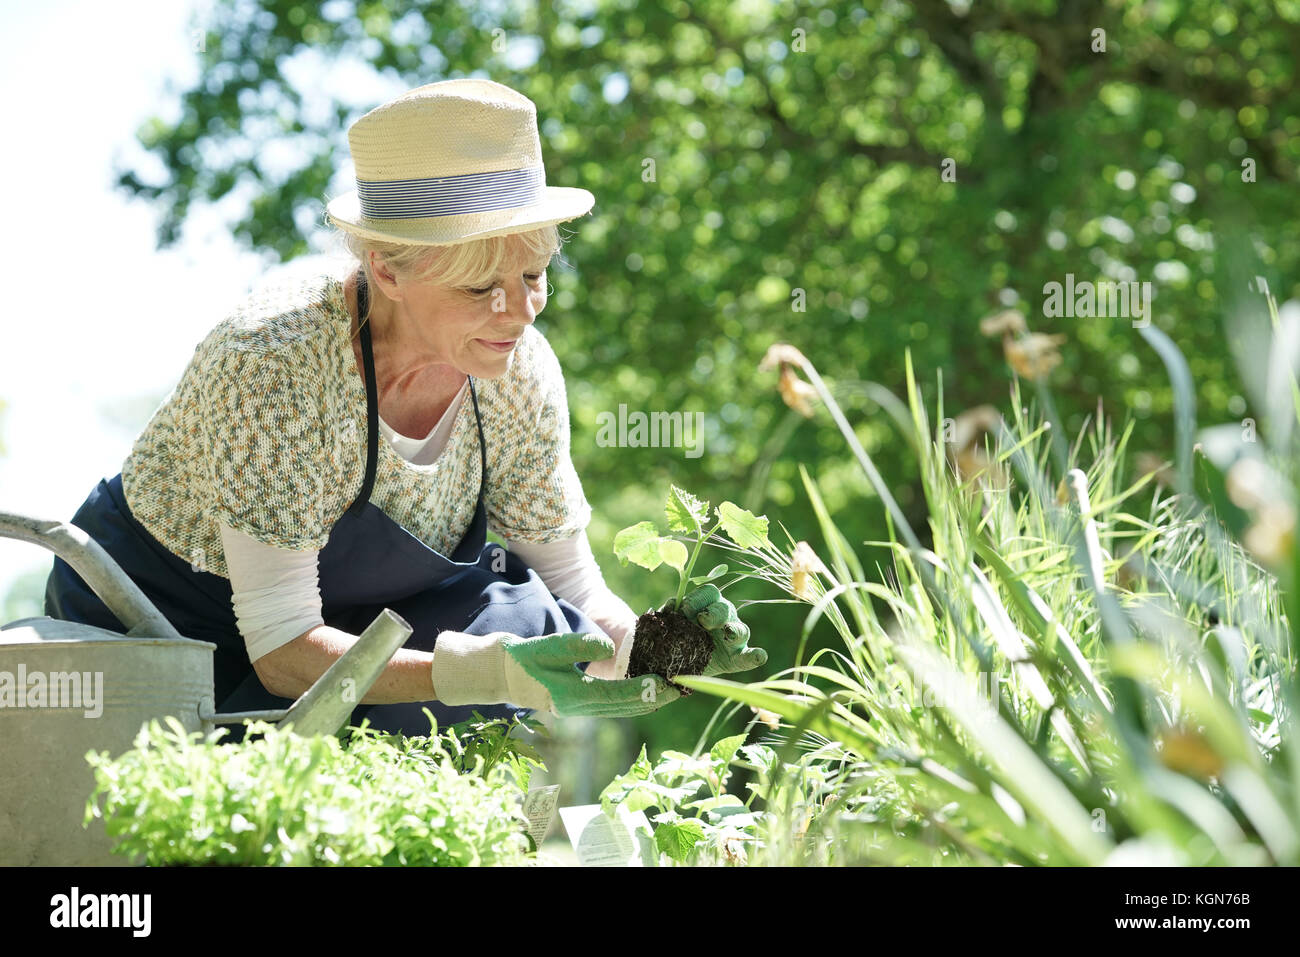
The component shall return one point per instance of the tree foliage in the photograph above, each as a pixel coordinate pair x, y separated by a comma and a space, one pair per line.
798, 153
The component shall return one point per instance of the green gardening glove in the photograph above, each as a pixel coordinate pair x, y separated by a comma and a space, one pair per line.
551, 661
706, 606
540, 673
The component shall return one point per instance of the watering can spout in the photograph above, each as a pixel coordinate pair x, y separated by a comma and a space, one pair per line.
326, 705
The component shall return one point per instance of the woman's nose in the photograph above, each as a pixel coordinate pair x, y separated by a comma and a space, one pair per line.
519, 303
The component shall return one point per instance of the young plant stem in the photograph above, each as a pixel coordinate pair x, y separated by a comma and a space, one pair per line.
690, 565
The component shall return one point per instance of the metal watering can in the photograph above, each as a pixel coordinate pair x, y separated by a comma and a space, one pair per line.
97, 687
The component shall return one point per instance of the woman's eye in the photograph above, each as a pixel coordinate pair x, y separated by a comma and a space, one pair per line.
532, 277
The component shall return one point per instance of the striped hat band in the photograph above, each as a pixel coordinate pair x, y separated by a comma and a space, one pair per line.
451, 195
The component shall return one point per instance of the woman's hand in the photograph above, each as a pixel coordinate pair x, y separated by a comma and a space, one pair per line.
540, 673
706, 606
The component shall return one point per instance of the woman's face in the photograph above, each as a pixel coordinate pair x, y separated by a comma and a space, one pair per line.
474, 330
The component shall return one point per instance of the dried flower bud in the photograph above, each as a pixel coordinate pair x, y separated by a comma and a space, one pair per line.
733, 846
973, 463
972, 425
1007, 322
796, 393
780, 353
964, 440
804, 562
1034, 355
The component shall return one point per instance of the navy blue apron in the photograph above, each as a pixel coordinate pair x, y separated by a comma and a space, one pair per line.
368, 563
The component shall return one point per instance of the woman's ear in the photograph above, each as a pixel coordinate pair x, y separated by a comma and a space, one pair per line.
384, 277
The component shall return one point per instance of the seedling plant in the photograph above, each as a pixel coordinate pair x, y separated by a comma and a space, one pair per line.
669, 642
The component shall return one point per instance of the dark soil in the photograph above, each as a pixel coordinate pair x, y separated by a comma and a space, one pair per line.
669, 644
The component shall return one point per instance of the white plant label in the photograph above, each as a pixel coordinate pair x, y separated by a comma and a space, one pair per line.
539, 807
602, 841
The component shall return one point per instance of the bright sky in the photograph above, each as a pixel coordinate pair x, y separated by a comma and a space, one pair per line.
93, 315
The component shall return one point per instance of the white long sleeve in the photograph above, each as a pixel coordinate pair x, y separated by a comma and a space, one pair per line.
275, 591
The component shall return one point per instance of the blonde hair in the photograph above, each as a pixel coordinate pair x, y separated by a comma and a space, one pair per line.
473, 264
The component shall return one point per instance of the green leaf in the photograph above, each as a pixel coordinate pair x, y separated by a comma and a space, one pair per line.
675, 765
652, 794
641, 766
862, 738
733, 816
1212, 486
639, 543
677, 839
642, 545
640, 798
671, 755
712, 803
742, 526
761, 756
617, 790
724, 750
673, 553
717, 572
685, 512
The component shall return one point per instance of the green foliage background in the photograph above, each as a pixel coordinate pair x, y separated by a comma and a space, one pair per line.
799, 146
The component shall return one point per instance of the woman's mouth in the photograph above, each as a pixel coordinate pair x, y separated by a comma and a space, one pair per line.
504, 345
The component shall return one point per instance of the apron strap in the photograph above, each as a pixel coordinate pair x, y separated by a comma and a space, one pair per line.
372, 397
482, 446
372, 408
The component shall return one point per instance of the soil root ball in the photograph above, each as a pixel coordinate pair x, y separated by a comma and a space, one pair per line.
668, 644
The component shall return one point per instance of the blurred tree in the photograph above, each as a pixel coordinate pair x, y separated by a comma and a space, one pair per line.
855, 179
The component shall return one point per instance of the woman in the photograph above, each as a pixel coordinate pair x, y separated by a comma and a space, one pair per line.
335, 448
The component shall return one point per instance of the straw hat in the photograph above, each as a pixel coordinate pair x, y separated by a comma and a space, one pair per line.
449, 162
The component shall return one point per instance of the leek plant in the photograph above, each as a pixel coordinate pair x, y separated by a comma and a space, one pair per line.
1054, 676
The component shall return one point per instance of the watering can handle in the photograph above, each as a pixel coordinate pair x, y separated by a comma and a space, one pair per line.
89, 560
